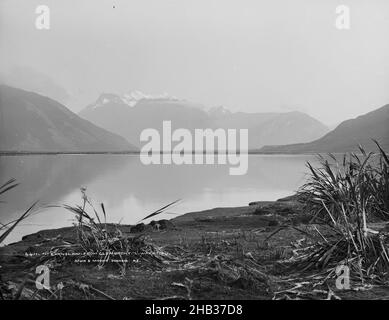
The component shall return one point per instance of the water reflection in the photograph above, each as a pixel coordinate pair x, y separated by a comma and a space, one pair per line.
130, 190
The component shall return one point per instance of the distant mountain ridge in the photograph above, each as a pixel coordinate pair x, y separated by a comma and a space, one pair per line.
116, 114
273, 128
32, 122
34, 81
347, 136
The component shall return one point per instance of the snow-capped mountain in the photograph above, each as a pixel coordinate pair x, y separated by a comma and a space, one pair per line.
134, 97
217, 112
128, 114
129, 99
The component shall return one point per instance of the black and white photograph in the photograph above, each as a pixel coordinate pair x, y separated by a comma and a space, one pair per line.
202, 152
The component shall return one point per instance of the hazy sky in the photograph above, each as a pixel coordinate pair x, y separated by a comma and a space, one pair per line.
255, 56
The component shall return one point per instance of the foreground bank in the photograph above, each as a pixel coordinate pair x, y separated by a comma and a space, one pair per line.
223, 253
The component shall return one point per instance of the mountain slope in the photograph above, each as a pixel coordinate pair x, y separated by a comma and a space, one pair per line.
346, 136
35, 81
274, 128
128, 117
31, 122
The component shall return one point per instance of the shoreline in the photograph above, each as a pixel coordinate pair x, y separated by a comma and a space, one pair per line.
213, 213
220, 253
136, 152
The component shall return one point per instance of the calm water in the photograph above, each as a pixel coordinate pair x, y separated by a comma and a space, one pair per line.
131, 190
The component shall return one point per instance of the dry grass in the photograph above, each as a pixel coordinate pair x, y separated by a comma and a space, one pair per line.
7, 228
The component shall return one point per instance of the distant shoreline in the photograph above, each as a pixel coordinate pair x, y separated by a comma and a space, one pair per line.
134, 152
22, 153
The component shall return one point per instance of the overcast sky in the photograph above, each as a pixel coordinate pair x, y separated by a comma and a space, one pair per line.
254, 56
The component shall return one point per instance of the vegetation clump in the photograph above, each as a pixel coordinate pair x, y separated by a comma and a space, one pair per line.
351, 198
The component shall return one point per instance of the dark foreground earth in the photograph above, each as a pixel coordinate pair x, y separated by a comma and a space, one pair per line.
222, 253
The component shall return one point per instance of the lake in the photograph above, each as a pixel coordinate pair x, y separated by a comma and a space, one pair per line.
130, 190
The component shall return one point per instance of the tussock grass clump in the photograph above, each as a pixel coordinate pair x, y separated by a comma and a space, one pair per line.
348, 196
358, 186
104, 242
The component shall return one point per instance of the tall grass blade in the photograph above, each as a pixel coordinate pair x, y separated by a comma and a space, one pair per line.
160, 210
5, 234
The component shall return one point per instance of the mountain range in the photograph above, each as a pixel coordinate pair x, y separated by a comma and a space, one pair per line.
347, 136
32, 122
127, 115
